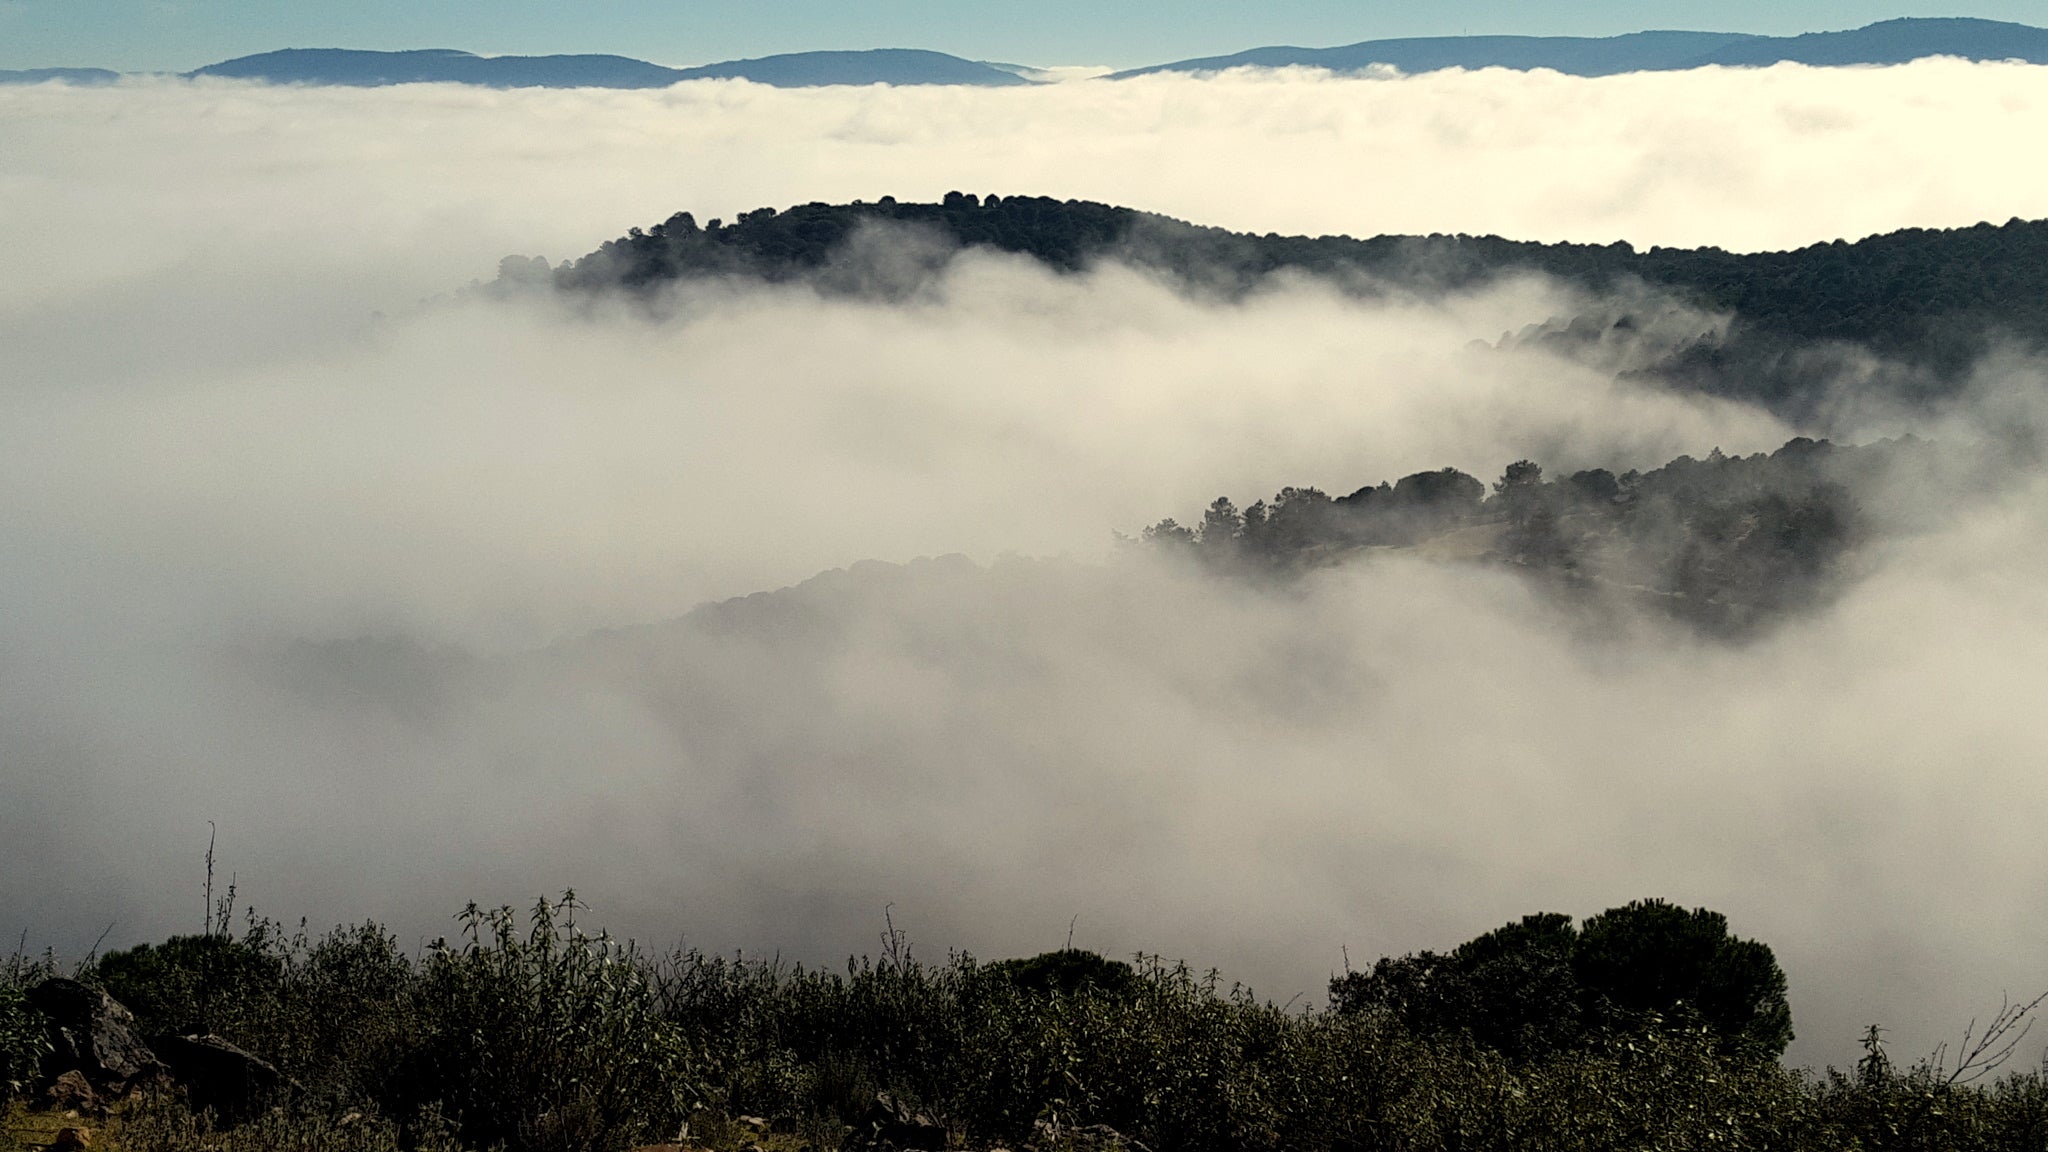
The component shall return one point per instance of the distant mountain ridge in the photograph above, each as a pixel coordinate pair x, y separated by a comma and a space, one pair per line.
1576, 55
1887, 42
364, 69
63, 75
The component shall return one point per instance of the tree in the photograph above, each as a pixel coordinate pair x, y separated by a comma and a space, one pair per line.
1067, 971
1537, 986
1595, 486
1519, 491
1653, 956
1221, 526
1512, 990
1446, 489
1297, 519
1168, 533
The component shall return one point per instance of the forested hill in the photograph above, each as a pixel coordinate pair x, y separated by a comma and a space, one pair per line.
1927, 300
1730, 544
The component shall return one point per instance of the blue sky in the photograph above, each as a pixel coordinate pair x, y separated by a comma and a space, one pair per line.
180, 34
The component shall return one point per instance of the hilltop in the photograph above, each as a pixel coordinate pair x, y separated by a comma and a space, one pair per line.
1773, 327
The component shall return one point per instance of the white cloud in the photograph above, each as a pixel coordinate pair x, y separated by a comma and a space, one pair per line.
208, 447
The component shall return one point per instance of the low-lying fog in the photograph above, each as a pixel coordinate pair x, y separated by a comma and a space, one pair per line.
286, 546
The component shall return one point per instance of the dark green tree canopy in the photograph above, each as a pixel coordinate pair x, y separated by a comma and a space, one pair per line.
1066, 972
1651, 956
1538, 986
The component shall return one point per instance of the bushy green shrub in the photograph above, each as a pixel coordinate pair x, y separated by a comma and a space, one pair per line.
196, 984
23, 1042
545, 1039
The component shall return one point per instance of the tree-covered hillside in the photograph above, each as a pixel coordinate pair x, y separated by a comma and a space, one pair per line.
1729, 544
1928, 301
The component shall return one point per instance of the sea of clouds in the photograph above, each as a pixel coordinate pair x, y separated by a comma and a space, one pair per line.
298, 538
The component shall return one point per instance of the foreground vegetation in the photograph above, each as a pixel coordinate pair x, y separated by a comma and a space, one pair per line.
1648, 1027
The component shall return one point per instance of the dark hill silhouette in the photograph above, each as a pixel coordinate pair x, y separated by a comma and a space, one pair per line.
61, 75
353, 68
1894, 42
875, 66
1889, 42
1577, 55
1928, 301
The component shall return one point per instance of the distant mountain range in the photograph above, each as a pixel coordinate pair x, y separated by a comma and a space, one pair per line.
1889, 42
64, 75
361, 69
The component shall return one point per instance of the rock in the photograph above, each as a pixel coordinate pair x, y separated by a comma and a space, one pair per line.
215, 1074
1086, 1138
93, 1035
889, 1122
1103, 1138
752, 1123
72, 1092
72, 1140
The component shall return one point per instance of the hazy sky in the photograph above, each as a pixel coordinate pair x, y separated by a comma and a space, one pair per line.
183, 34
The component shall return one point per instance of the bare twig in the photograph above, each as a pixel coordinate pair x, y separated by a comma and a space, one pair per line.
1983, 1053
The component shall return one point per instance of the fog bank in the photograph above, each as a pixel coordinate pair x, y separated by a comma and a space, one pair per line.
325, 577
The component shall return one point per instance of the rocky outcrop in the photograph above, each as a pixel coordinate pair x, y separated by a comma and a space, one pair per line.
889, 1123
72, 1092
92, 1034
96, 1057
233, 1083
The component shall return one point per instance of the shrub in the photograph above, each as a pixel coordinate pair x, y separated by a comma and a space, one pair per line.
23, 1042
162, 1123
213, 983
531, 1035
544, 1039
